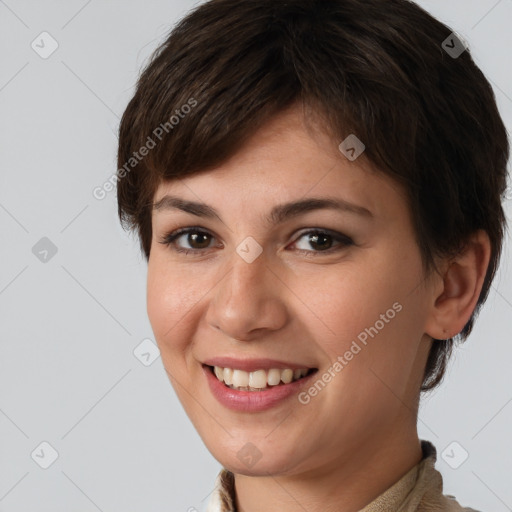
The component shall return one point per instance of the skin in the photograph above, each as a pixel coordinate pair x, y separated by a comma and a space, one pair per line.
297, 303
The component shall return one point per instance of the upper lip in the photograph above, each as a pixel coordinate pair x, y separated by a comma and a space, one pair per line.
251, 365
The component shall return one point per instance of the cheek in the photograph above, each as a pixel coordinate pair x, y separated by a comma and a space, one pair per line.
346, 302
170, 299
367, 311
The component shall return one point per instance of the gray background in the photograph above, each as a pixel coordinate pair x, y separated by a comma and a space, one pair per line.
70, 324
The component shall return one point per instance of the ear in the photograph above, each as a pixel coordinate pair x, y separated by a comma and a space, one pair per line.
456, 297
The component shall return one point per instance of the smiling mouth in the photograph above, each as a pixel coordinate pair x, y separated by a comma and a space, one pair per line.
258, 380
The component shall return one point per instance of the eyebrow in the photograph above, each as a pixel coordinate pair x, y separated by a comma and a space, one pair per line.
279, 213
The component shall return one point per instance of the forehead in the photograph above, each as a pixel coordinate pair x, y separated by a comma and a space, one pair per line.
290, 158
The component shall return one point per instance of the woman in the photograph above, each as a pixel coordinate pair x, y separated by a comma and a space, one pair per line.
317, 189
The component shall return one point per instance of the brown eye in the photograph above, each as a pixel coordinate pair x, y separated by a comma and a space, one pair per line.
196, 239
323, 241
320, 241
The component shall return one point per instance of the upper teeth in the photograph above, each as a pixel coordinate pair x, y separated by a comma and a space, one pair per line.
258, 379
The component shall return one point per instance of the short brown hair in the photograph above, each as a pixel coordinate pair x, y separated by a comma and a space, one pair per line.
375, 68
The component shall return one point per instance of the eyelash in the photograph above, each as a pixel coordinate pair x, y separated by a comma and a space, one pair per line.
171, 237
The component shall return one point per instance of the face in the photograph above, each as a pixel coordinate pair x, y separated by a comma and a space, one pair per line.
336, 291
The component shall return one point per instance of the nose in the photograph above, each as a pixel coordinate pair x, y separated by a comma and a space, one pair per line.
249, 300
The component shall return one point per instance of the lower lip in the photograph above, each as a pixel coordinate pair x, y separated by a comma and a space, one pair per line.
253, 401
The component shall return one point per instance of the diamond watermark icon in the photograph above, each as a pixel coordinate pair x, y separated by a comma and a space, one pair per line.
455, 455
146, 352
44, 455
352, 147
44, 250
249, 454
44, 45
454, 45
249, 249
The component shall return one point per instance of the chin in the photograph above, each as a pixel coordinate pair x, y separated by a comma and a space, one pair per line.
262, 467
247, 459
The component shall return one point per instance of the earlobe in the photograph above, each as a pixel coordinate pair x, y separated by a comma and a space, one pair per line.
462, 282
